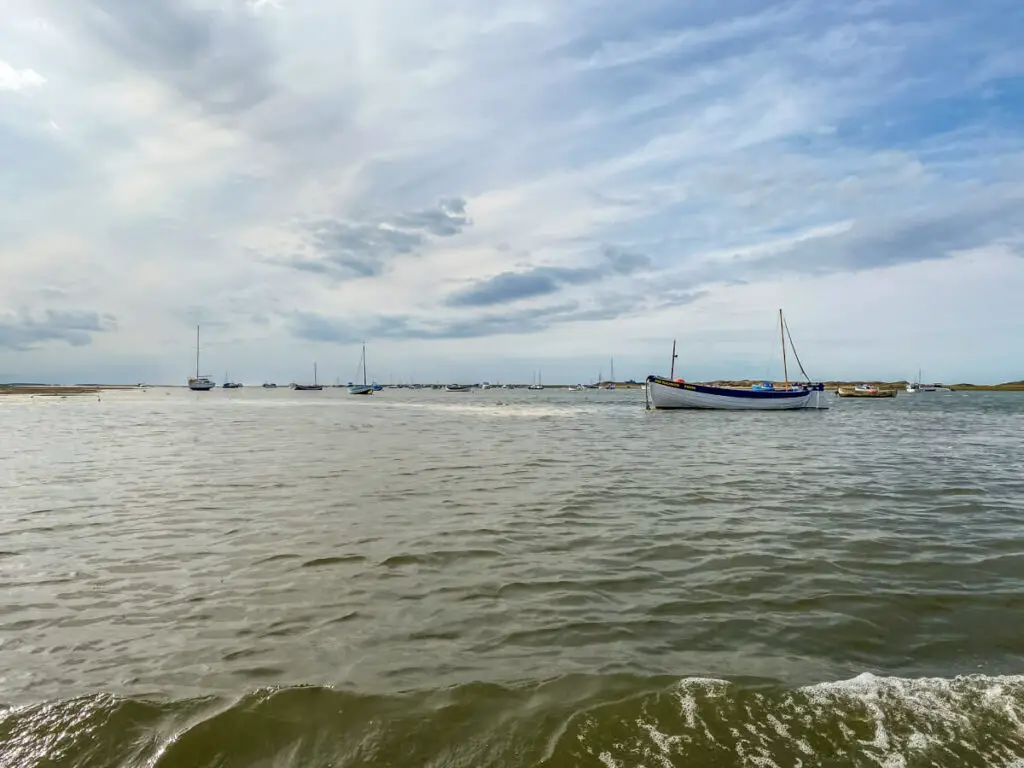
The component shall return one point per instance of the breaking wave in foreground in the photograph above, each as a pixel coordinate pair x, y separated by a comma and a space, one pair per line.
575, 721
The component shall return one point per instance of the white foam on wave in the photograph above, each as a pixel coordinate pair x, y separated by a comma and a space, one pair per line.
887, 721
666, 744
686, 691
939, 704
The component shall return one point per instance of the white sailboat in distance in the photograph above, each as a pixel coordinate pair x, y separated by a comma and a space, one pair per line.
364, 388
199, 383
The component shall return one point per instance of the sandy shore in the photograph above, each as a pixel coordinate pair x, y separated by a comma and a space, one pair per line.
47, 390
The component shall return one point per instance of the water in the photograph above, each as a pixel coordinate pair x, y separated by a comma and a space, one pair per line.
281, 578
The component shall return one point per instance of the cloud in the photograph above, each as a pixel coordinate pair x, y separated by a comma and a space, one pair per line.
941, 232
321, 328
12, 79
523, 321
217, 58
343, 249
540, 281
24, 331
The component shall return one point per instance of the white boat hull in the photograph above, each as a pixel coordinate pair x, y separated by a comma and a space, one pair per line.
663, 393
201, 385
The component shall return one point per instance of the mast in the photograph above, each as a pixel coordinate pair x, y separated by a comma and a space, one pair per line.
672, 371
364, 363
612, 374
314, 373
197, 351
782, 336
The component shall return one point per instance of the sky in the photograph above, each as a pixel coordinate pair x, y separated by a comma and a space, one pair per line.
488, 190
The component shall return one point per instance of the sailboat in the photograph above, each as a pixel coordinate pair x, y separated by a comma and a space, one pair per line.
229, 384
677, 393
917, 386
315, 386
537, 383
364, 388
199, 383
611, 376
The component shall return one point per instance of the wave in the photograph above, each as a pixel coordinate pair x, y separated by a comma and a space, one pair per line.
612, 721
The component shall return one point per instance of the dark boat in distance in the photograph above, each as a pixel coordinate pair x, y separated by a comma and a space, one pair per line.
314, 387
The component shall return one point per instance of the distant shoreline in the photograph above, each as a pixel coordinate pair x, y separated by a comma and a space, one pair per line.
91, 389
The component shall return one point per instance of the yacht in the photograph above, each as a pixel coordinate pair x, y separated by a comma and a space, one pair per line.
199, 383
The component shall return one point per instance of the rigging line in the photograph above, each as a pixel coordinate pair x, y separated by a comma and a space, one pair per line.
793, 347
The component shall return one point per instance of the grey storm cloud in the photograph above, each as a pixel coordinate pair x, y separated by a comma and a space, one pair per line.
24, 331
216, 57
509, 287
363, 249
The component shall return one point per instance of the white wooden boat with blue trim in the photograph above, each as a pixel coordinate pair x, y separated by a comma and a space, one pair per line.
676, 393
668, 393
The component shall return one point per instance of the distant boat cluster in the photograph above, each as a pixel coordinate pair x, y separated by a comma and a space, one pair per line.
203, 383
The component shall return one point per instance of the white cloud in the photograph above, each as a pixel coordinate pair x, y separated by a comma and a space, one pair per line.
12, 79
276, 170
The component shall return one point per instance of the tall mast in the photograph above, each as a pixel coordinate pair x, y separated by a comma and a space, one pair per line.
314, 373
364, 363
782, 336
612, 374
197, 351
672, 371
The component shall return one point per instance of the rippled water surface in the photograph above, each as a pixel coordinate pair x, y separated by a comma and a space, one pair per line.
509, 578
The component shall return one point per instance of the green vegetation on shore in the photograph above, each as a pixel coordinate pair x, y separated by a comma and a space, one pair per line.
1010, 386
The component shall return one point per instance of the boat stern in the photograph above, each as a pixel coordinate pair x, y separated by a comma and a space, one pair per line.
819, 400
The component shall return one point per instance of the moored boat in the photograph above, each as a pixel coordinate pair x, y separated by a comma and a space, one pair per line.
199, 383
677, 393
457, 388
364, 388
914, 387
314, 387
669, 393
865, 390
